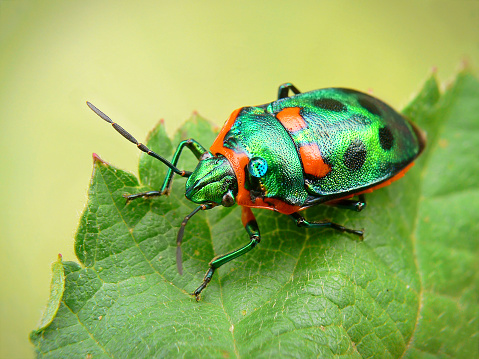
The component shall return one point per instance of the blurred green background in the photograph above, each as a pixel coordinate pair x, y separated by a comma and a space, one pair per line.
145, 60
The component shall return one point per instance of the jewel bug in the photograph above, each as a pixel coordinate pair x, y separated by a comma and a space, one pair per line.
320, 147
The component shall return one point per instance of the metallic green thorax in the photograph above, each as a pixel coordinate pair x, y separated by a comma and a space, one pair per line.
360, 139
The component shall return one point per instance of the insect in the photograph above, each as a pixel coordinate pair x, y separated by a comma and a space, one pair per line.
320, 147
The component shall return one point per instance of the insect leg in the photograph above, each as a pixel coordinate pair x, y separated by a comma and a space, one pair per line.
196, 148
302, 222
251, 227
129, 197
351, 204
283, 90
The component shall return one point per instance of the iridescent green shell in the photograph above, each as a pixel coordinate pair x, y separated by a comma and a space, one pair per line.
322, 145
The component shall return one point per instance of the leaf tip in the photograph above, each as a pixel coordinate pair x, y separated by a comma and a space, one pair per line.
158, 130
465, 64
97, 159
196, 117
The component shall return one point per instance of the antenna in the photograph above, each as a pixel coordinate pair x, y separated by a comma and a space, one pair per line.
132, 139
181, 233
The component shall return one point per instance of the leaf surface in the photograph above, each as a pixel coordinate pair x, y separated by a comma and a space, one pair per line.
410, 289
57, 287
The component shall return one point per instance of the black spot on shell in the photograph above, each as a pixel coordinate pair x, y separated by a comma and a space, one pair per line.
386, 138
355, 155
369, 106
330, 104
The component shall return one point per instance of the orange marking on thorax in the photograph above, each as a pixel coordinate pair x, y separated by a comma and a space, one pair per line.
313, 162
291, 119
238, 162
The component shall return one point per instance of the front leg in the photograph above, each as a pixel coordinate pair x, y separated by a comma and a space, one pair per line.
251, 227
198, 150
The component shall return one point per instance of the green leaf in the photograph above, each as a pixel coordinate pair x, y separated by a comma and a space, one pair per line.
410, 289
57, 287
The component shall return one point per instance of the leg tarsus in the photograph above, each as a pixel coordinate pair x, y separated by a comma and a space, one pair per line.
341, 228
302, 222
206, 280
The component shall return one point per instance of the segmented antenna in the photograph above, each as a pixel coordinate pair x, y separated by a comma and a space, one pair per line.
181, 232
132, 139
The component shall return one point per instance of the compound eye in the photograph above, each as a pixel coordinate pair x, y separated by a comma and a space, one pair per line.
257, 167
228, 199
